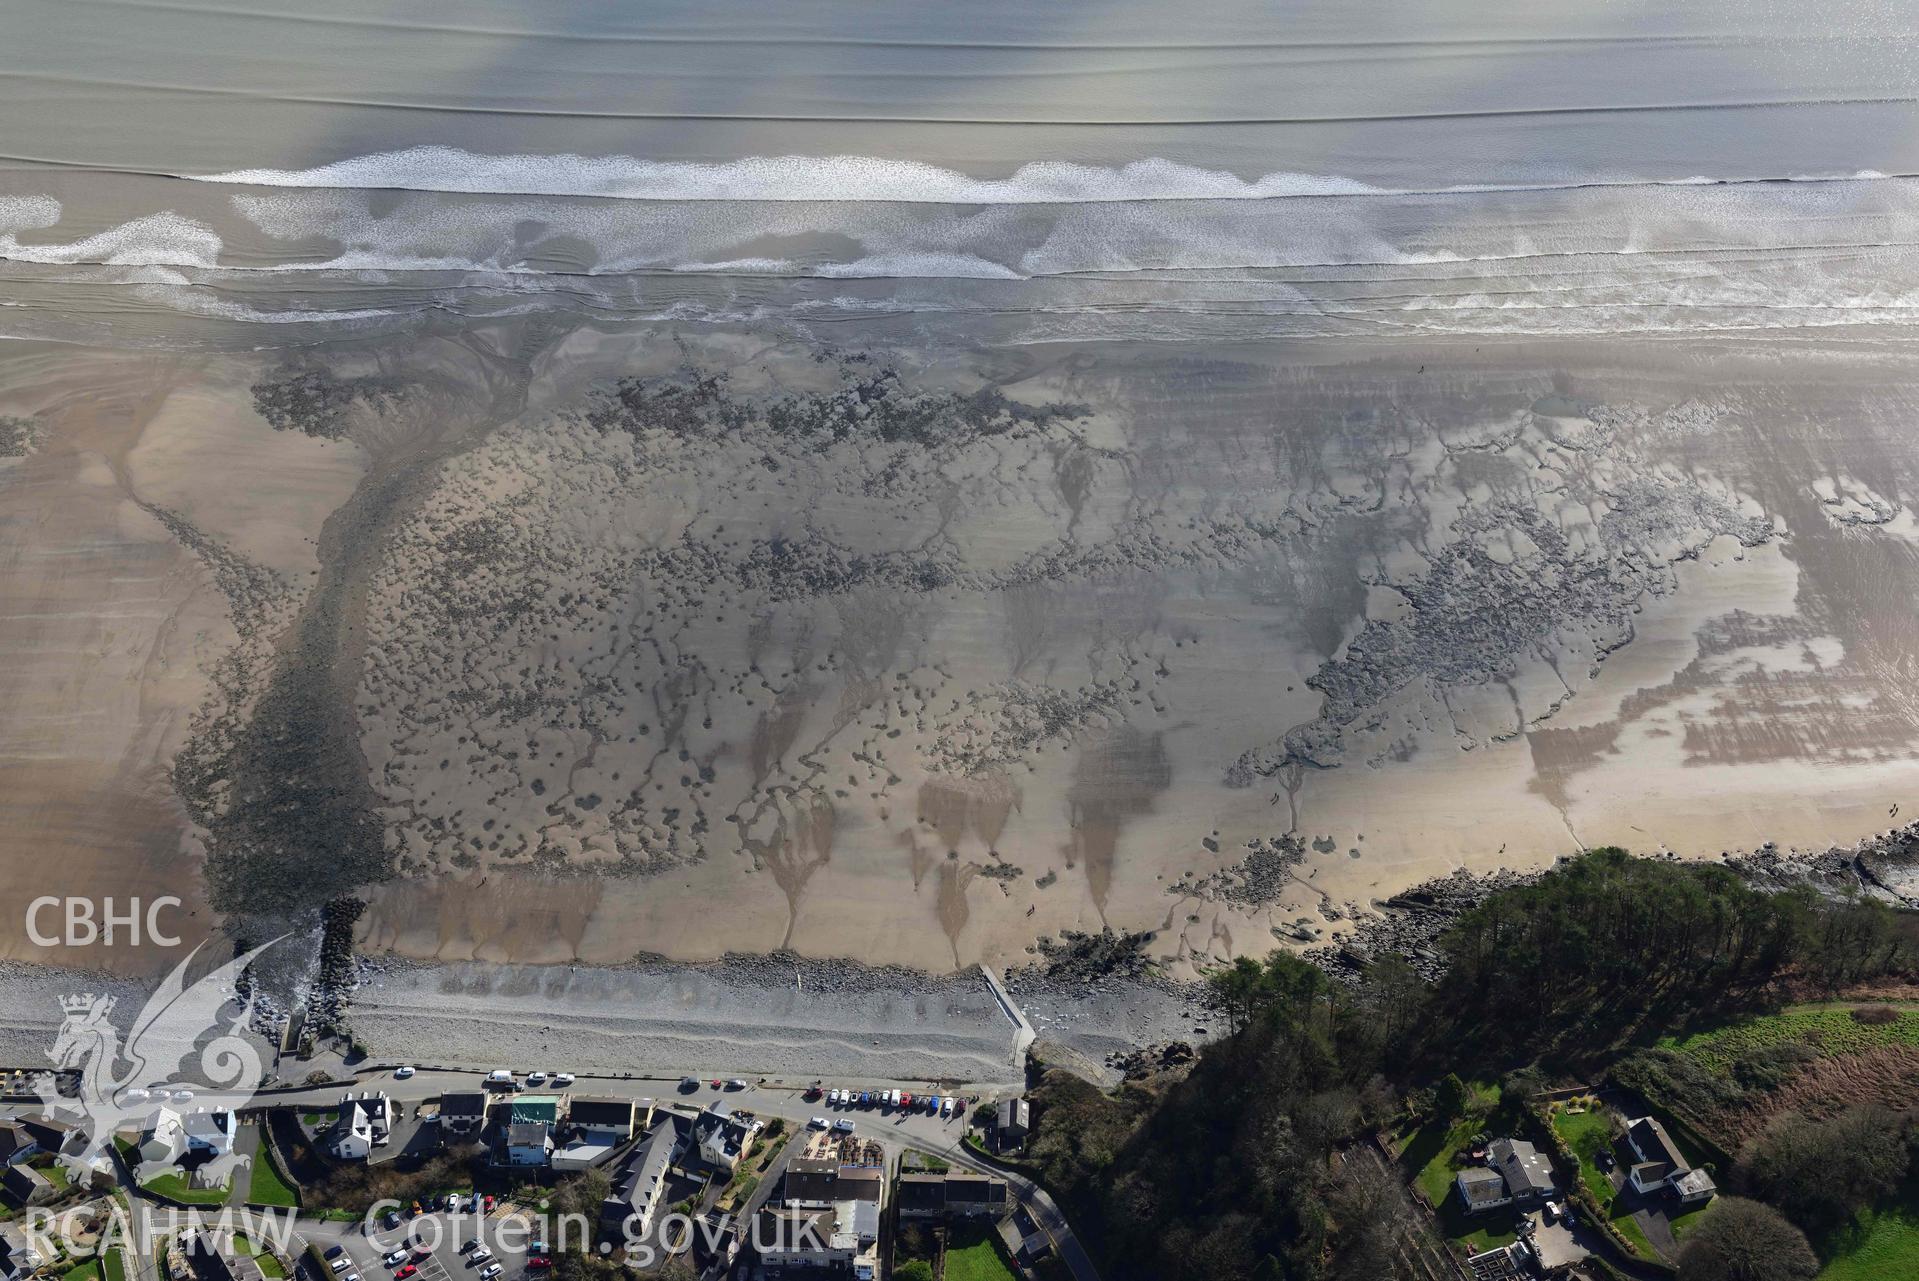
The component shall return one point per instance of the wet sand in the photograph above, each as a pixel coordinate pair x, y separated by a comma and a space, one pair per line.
685, 680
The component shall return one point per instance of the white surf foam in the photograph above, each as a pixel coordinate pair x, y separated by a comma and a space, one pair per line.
860, 178
157, 240
786, 178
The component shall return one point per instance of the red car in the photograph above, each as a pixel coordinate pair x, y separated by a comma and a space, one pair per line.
406, 1270
538, 1263
489, 1205
715, 1084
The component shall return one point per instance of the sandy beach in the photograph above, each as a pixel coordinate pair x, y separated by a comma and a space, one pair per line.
622, 644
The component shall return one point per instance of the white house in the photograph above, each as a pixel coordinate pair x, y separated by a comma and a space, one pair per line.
163, 1139
1662, 1167
365, 1123
210, 1132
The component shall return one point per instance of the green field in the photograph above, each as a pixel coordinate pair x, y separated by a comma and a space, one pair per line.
113, 1266
269, 1265
175, 1188
87, 1271
1587, 1134
975, 1257
265, 1185
1883, 1243
1831, 1030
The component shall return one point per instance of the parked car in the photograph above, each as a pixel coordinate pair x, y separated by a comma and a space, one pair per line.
946, 1105
390, 1220
489, 1203
536, 1078
538, 1263
402, 1072
812, 1092
394, 1259
467, 1247
688, 1084
537, 1247
406, 1272
562, 1078
843, 1125
499, 1074
736, 1084
818, 1123
335, 1251
183, 1096
490, 1271
866, 1098
341, 1264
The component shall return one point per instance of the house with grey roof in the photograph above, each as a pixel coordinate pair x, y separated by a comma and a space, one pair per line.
1527, 1171
1662, 1168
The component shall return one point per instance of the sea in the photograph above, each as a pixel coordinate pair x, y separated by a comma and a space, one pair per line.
196, 171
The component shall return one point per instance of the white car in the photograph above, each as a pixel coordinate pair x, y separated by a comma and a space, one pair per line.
819, 1123
535, 1078
562, 1078
499, 1074
133, 1096
480, 1255
490, 1271
946, 1106
395, 1259
402, 1073
843, 1125
183, 1096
